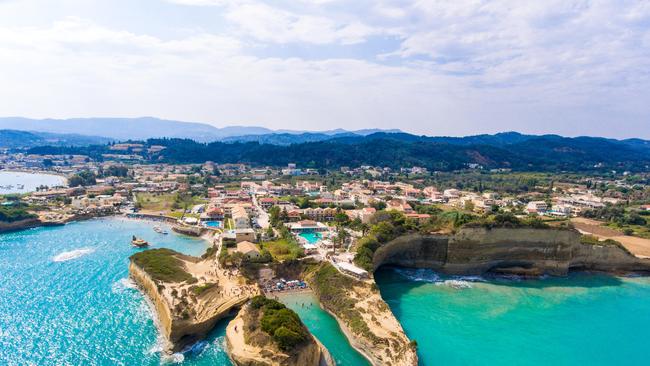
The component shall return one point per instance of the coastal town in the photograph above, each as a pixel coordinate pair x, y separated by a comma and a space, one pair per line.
324, 211
274, 232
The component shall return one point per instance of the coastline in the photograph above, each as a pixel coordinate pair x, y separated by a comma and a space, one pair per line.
346, 332
351, 340
26, 224
206, 309
47, 172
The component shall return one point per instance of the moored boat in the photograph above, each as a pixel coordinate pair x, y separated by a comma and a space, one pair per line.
160, 230
140, 243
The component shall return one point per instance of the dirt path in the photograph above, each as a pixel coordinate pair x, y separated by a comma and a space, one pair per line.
638, 246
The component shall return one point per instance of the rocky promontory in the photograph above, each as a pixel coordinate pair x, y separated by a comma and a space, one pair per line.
369, 323
189, 294
266, 333
364, 317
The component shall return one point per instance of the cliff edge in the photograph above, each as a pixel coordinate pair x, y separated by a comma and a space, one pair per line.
526, 251
364, 317
266, 333
189, 294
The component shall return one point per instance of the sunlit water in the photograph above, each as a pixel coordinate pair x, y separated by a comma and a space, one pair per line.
65, 298
18, 182
324, 327
580, 320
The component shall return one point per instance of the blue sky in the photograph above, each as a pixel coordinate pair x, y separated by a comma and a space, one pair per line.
432, 67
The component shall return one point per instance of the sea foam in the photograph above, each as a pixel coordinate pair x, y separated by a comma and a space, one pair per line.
427, 275
72, 254
123, 284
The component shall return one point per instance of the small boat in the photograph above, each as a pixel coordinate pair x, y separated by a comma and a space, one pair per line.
140, 243
160, 230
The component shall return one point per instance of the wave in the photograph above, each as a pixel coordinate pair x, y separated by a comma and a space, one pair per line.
419, 275
123, 284
457, 284
72, 254
427, 275
173, 358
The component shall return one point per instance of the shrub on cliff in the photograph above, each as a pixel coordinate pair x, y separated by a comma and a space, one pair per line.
282, 324
14, 213
162, 265
287, 338
332, 287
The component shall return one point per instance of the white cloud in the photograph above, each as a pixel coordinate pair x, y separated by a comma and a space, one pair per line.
458, 67
270, 24
201, 2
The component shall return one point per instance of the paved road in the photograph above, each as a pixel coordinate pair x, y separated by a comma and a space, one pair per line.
262, 216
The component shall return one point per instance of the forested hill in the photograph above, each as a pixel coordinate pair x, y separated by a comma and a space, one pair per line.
21, 139
517, 152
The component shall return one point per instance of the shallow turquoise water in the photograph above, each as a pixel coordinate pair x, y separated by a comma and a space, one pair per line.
312, 238
29, 181
580, 320
65, 297
324, 327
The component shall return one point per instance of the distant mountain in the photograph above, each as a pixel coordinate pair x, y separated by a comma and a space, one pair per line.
286, 138
148, 127
124, 128
289, 138
23, 139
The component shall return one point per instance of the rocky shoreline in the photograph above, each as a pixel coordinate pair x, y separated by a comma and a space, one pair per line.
247, 345
474, 251
522, 251
367, 321
7, 227
363, 316
187, 311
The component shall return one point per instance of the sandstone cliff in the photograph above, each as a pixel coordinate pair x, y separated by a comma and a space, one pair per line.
25, 224
188, 310
364, 317
507, 250
248, 345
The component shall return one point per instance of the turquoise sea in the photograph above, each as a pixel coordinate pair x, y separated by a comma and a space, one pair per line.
324, 327
585, 319
65, 298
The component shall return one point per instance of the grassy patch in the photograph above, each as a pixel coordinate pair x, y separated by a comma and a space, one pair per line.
198, 290
642, 231
156, 202
162, 265
17, 213
331, 287
179, 214
282, 250
592, 240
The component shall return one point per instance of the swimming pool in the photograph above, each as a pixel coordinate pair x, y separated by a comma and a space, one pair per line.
312, 237
212, 223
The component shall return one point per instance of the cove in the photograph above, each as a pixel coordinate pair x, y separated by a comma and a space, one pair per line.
324, 327
65, 297
23, 182
588, 319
